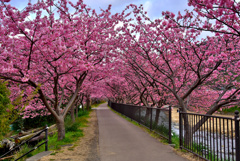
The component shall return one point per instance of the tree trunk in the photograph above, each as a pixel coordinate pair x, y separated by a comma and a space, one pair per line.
88, 103
82, 106
72, 113
147, 119
60, 127
77, 111
188, 135
187, 132
157, 115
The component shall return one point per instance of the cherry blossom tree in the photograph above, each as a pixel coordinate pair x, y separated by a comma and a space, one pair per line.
221, 19
53, 50
67, 51
199, 74
174, 58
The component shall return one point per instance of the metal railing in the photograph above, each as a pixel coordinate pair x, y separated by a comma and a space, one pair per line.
210, 137
34, 148
155, 119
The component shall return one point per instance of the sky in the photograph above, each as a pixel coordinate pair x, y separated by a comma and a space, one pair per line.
153, 7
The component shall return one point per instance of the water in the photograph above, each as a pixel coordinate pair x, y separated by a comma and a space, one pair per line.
220, 145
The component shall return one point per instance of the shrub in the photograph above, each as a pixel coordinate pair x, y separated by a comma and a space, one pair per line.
39, 121
231, 109
7, 112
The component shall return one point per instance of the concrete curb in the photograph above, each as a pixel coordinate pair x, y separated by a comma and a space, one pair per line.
39, 156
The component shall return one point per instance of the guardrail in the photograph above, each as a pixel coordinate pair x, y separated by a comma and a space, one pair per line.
17, 147
210, 137
155, 119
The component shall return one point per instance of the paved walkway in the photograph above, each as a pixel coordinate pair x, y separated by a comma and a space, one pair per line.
120, 140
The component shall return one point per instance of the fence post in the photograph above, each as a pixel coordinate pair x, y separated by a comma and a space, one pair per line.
170, 125
46, 135
237, 135
151, 120
180, 128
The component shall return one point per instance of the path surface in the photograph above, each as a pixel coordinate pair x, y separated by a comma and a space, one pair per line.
120, 140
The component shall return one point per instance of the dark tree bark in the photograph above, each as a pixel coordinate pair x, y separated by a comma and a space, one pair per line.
72, 112
60, 127
88, 101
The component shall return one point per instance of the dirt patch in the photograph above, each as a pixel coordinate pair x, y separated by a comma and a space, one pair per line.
85, 149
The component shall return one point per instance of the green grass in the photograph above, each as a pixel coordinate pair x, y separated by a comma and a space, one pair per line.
161, 129
24, 149
175, 140
73, 132
230, 110
199, 148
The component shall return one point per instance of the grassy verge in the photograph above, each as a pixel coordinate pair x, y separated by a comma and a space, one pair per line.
73, 133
